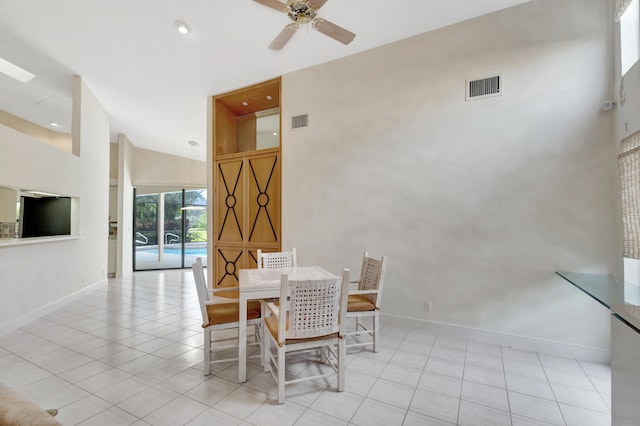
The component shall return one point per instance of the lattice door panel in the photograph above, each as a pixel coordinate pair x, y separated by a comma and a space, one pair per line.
263, 199
229, 216
228, 262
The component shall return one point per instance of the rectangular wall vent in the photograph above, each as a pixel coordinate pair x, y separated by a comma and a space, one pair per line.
299, 121
484, 87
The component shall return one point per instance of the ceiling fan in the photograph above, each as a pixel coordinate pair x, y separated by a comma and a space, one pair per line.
304, 12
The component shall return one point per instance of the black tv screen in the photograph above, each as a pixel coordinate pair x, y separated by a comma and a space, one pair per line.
47, 216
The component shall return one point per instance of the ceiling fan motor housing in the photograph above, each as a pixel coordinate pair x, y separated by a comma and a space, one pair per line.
301, 12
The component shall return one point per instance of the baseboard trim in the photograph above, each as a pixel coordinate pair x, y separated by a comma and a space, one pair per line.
550, 347
22, 320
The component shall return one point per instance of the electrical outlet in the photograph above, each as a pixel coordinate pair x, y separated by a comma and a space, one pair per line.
427, 305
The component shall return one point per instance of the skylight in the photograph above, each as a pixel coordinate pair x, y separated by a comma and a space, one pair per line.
14, 71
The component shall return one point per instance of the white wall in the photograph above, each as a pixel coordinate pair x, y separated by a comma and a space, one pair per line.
32, 276
477, 203
124, 259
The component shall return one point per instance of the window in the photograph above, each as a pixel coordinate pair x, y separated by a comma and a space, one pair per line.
629, 164
629, 36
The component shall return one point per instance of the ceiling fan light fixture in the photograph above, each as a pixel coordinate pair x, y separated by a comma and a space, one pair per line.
303, 12
182, 27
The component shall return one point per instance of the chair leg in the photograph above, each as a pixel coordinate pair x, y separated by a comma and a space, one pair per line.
376, 327
342, 357
281, 375
266, 350
264, 341
207, 351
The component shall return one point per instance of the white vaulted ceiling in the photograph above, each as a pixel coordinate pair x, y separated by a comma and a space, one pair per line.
154, 82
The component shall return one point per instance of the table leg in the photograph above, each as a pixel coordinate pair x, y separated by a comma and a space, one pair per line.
242, 340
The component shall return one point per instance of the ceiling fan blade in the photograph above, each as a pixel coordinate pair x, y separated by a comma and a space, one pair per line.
317, 4
284, 36
273, 4
332, 30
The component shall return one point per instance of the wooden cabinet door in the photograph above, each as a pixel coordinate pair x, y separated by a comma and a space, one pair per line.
246, 212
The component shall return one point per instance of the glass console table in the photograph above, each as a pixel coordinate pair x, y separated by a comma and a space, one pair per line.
622, 298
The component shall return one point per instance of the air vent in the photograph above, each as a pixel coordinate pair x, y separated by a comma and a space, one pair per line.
299, 121
484, 87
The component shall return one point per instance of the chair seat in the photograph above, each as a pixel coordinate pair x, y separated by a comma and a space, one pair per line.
272, 325
230, 312
229, 294
359, 303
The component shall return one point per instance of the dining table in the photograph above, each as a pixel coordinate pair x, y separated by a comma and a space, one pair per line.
261, 284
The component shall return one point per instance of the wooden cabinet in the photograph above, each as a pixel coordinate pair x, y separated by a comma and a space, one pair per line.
246, 181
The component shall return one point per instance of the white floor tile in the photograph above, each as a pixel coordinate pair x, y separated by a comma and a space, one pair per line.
130, 352
392, 393
484, 360
485, 395
124, 389
110, 416
316, 418
374, 413
147, 401
178, 411
446, 367
416, 419
484, 376
276, 414
439, 383
436, 405
589, 399
215, 417
367, 366
81, 410
472, 414
242, 402
451, 354
574, 378
401, 374
529, 386
535, 408
341, 405
409, 359
578, 416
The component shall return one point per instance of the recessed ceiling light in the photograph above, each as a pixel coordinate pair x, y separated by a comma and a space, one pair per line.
275, 133
14, 71
269, 97
182, 27
245, 103
54, 124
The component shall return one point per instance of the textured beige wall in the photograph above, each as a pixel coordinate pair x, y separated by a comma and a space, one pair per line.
477, 203
8, 198
59, 140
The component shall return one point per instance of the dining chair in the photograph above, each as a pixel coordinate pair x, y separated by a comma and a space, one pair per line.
221, 313
277, 260
365, 301
310, 316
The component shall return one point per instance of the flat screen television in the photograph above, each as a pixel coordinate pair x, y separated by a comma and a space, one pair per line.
46, 216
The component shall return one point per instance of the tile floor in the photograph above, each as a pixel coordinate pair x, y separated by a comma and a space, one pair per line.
130, 353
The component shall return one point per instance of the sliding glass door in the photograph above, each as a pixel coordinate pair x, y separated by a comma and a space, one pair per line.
170, 229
